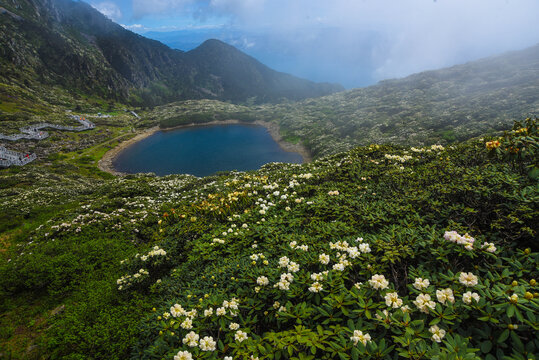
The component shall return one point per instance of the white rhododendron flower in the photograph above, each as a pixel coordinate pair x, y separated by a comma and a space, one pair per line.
358, 336
234, 326
468, 296
378, 282
177, 310
183, 355
283, 262
421, 284
338, 267
316, 287
207, 344
445, 295
364, 248
468, 279
220, 311
283, 285
393, 300
187, 324
488, 247
317, 276
262, 280
240, 336
424, 303
324, 259
293, 267
208, 312
437, 333
191, 339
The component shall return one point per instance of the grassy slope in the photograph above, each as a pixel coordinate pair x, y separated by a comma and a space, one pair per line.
74, 259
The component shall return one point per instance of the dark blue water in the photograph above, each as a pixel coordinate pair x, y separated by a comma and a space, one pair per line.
203, 151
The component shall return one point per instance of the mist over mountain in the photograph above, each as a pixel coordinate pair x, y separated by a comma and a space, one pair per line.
72, 45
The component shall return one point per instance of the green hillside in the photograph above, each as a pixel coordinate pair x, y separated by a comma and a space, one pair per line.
93, 267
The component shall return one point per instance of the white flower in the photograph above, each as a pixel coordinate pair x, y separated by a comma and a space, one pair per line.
208, 312
324, 259
489, 247
187, 324
240, 336
445, 295
317, 276
228, 358
191, 339
393, 300
254, 257
316, 287
233, 303
378, 282
283, 285
207, 344
220, 311
359, 336
183, 355
293, 267
293, 244
424, 303
177, 310
303, 247
364, 248
353, 252
283, 262
421, 284
468, 296
262, 280
287, 277
437, 333
338, 267
234, 326
468, 279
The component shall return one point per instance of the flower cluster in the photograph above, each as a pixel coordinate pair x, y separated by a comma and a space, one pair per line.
491, 145
359, 336
437, 333
378, 282
465, 239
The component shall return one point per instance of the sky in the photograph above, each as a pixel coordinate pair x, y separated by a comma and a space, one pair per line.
352, 42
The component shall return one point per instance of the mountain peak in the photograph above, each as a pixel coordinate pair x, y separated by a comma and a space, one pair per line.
73, 45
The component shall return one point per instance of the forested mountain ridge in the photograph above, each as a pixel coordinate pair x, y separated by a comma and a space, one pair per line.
72, 45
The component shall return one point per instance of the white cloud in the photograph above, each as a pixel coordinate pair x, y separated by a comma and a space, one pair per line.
134, 27
109, 9
142, 8
410, 35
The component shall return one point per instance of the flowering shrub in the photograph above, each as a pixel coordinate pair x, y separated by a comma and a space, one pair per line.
358, 273
356, 255
520, 145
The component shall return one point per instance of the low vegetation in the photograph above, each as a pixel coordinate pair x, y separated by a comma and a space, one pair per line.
382, 251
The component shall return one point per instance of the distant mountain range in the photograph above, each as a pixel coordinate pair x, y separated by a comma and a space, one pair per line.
432, 107
72, 45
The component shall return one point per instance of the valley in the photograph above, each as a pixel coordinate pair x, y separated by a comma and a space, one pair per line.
409, 230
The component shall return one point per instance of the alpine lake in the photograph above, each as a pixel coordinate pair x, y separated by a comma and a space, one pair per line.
203, 150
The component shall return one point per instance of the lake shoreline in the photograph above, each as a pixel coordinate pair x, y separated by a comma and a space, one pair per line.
105, 163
